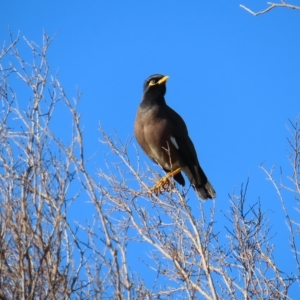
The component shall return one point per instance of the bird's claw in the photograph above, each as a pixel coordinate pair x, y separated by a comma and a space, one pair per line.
163, 185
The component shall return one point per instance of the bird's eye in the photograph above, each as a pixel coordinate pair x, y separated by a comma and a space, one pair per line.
152, 82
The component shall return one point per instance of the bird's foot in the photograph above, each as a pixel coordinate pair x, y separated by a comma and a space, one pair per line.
165, 184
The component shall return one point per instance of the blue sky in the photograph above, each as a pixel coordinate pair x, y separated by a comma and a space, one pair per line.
234, 78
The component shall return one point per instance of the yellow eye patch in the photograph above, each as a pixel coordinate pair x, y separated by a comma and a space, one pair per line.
152, 82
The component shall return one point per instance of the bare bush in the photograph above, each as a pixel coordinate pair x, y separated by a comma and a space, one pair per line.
37, 244
137, 245
291, 185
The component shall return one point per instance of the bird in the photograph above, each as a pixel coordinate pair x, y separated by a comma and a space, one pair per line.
163, 135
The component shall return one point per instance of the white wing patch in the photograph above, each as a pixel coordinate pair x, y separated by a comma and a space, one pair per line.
173, 140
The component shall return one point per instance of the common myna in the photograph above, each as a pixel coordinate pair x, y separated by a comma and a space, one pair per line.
163, 135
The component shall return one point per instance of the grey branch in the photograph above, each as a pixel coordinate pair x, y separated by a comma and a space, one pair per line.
271, 6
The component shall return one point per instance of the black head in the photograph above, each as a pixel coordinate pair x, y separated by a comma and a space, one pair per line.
155, 88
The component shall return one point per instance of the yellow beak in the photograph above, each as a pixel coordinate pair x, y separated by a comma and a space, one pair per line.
164, 79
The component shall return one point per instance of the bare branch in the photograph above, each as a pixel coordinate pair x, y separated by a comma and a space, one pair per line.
271, 6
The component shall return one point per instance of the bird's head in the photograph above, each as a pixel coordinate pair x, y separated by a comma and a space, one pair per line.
155, 87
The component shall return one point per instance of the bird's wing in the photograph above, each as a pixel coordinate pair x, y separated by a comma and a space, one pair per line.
182, 142
187, 153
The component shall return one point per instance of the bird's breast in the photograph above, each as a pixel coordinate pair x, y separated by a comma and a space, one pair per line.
157, 135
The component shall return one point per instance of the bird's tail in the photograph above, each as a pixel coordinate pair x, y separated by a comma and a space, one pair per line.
205, 191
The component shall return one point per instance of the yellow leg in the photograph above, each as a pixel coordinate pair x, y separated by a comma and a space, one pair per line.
164, 183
